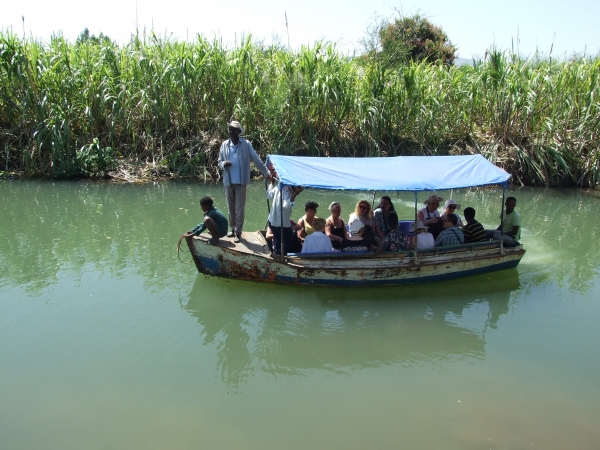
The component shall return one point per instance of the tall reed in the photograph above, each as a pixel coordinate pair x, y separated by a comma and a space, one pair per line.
168, 102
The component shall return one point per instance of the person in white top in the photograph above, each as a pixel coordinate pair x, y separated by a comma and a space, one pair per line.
450, 208
362, 220
430, 215
317, 242
280, 192
422, 239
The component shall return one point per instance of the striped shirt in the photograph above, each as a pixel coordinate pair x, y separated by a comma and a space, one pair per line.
474, 232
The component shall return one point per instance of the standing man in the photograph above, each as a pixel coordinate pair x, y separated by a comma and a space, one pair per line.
234, 160
510, 225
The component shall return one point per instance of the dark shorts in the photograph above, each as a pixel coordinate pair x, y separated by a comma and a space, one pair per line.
220, 230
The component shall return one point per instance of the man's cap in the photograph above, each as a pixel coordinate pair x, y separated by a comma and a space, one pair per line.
236, 124
420, 226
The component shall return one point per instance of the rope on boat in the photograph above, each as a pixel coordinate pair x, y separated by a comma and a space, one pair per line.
178, 250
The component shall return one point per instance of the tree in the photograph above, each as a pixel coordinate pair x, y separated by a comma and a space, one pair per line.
85, 36
408, 39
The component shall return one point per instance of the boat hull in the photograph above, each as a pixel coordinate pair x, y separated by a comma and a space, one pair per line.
252, 261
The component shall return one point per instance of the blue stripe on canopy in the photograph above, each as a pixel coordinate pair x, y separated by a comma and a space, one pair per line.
400, 173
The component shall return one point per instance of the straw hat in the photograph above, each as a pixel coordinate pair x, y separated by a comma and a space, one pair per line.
433, 199
236, 124
355, 226
420, 226
452, 202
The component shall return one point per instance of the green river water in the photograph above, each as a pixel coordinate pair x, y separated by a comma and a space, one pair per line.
108, 341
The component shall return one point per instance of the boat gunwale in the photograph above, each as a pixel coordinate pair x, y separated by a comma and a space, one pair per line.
462, 252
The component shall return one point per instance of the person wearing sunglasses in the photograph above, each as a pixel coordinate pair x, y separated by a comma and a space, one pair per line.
450, 208
362, 213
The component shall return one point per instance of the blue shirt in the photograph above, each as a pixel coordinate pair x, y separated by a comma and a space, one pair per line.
450, 236
235, 170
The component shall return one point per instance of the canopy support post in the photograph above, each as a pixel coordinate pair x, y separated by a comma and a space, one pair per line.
281, 219
416, 236
502, 222
268, 206
373, 202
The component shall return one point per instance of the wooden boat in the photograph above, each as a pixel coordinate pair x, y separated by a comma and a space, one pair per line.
251, 259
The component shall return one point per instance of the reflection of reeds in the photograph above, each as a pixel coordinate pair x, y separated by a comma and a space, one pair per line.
167, 102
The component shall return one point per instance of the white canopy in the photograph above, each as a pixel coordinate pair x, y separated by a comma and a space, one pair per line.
400, 173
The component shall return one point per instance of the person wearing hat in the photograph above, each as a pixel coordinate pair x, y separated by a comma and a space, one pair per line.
234, 160
422, 239
450, 208
357, 241
430, 215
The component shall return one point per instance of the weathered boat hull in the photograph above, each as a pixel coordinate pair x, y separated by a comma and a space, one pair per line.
250, 260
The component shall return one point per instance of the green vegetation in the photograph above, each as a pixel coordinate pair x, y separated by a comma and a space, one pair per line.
407, 39
72, 109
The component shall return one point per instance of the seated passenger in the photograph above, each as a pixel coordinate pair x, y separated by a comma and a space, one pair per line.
362, 214
396, 240
296, 246
317, 241
335, 227
214, 221
452, 235
356, 242
306, 221
380, 216
450, 208
430, 215
422, 239
511, 226
473, 230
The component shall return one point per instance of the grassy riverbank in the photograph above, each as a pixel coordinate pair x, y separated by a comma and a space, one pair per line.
68, 109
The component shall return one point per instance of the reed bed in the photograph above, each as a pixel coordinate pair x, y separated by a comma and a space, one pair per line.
85, 108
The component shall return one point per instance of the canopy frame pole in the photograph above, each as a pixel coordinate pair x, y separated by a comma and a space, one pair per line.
373, 202
281, 220
502, 222
416, 235
268, 206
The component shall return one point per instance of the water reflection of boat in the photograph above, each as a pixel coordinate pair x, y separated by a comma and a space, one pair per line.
270, 330
252, 260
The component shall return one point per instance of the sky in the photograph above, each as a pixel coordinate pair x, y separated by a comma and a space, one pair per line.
565, 27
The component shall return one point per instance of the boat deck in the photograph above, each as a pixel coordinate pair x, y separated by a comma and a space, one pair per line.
252, 243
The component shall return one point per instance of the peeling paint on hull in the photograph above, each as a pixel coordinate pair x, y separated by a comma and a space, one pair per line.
252, 262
